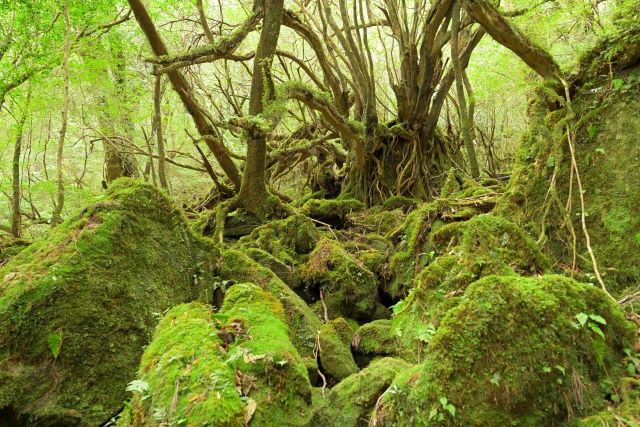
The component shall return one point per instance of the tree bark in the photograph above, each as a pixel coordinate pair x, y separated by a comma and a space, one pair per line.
16, 217
157, 93
510, 37
465, 123
185, 92
59, 204
253, 195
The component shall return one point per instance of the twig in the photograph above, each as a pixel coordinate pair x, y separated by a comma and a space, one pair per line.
316, 354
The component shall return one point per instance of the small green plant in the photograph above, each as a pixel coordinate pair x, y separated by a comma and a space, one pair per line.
438, 413
54, 341
633, 367
425, 333
139, 386
591, 321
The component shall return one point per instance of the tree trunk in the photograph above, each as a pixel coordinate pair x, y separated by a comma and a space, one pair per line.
254, 196
185, 92
59, 204
465, 122
157, 93
16, 217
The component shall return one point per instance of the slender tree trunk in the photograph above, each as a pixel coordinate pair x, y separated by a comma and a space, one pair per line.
57, 212
16, 217
253, 195
184, 90
465, 123
157, 93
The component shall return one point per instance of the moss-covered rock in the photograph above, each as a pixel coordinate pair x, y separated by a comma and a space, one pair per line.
183, 376
77, 307
514, 351
331, 211
225, 369
350, 403
462, 252
376, 338
625, 411
335, 350
348, 288
302, 322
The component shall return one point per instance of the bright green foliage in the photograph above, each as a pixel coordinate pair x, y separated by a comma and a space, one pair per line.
626, 408
88, 296
335, 349
512, 353
348, 288
183, 376
464, 252
350, 403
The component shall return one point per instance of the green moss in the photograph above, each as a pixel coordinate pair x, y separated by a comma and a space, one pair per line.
96, 281
463, 252
348, 288
350, 403
302, 323
331, 211
335, 350
400, 202
376, 338
183, 376
627, 411
223, 369
512, 352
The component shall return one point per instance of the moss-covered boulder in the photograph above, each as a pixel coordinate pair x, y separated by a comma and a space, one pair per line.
377, 338
461, 253
335, 355
78, 306
624, 410
303, 324
350, 403
514, 351
347, 287
231, 368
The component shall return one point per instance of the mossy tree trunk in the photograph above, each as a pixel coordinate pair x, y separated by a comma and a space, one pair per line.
254, 196
16, 216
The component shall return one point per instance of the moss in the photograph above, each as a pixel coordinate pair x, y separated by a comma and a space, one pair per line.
350, 403
335, 350
512, 352
348, 288
302, 323
183, 375
285, 239
377, 220
331, 211
270, 367
376, 338
451, 184
627, 411
463, 252
223, 369
96, 281
400, 202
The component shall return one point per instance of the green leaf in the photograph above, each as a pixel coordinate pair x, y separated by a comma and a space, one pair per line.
443, 401
551, 161
582, 318
546, 369
55, 343
560, 368
138, 386
599, 150
631, 368
433, 413
495, 379
451, 409
597, 319
593, 131
596, 329
638, 238
617, 84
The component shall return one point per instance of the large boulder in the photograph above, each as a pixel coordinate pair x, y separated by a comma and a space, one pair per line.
78, 306
515, 351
